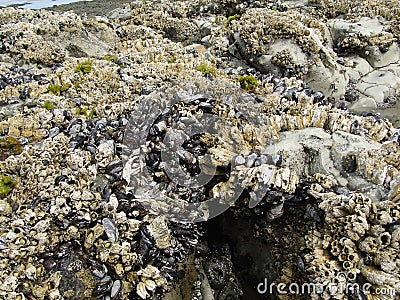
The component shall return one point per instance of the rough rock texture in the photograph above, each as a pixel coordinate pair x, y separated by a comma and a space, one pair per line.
319, 185
289, 44
47, 38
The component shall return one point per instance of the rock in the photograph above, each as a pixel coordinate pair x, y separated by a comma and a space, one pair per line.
328, 151
359, 68
379, 85
48, 44
368, 37
90, 46
365, 26
294, 57
378, 58
289, 51
328, 80
380, 93
294, 3
204, 26
120, 13
392, 68
363, 104
382, 78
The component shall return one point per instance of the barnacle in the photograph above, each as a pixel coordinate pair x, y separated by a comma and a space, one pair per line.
85, 181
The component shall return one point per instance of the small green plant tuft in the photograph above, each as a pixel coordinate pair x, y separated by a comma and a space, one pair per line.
203, 68
110, 58
54, 88
6, 185
230, 19
85, 112
84, 67
76, 84
81, 111
248, 82
65, 87
48, 104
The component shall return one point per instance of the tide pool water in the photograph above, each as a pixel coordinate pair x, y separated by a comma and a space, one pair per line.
36, 4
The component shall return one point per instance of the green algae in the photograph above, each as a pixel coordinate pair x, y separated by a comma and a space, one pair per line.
248, 82
84, 67
6, 185
203, 68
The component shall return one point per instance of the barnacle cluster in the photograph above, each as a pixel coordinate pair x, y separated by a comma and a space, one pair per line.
354, 10
86, 191
264, 26
364, 245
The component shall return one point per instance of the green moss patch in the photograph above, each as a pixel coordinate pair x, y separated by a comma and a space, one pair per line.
84, 67
6, 185
110, 58
57, 89
230, 19
48, 104
203, 68
248, 82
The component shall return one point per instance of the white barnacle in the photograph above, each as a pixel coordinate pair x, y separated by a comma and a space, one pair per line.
142, 291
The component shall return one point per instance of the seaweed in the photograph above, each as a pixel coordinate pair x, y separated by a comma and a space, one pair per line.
84, 67
248, 82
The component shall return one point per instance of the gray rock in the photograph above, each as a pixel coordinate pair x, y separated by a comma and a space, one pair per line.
379, 59
327, 151
392, 68
331, 81
294, 3
204, 27
360, 67
120, 13
363, 104
326, 76
264, 63
54, 131
85, 47
86, 44
365, 26
250, 160
240, 160
379, 85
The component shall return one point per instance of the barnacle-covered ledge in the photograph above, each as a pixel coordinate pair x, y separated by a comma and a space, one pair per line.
317, 187
294, 154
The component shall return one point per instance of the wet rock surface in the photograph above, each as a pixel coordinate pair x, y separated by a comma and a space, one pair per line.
317, 184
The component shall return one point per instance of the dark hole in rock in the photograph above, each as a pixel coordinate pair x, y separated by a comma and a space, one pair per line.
259, 250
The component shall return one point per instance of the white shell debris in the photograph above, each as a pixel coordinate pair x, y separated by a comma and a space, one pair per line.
110, 229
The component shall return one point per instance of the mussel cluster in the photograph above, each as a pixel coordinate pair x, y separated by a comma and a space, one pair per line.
109, 243
152, 242
20, 76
